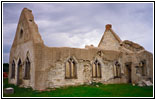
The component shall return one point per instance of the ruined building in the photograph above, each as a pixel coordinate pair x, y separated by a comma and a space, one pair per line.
32, 64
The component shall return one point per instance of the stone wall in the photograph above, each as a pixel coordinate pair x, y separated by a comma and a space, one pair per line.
26, 37
50, 65
109, 42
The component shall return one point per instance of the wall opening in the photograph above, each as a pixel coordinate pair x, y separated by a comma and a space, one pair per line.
117, 70
13, 70
19, 72
128, 68
96, 69
21, 33
30, 20
27, 69
70, 69
143, 69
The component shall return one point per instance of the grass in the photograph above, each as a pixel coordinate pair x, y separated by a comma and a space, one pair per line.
111, 90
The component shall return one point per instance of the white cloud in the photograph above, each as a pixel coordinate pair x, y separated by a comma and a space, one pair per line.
8, 33
6, 57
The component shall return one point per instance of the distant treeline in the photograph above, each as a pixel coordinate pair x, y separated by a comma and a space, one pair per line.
5, 67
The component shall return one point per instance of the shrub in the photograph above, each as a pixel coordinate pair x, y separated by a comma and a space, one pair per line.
5, 67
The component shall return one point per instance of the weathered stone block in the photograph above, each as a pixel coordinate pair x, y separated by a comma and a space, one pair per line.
9, 90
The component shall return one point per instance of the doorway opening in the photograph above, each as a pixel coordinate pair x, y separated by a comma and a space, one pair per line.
128, 69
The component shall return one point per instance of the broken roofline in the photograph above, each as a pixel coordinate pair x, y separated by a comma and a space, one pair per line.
30, 18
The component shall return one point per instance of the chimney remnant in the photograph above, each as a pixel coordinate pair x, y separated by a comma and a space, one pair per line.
108, 27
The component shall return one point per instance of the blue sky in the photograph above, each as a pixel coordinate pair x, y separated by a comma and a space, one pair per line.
80, 24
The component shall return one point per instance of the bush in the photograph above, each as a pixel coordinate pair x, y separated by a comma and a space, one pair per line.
5, 67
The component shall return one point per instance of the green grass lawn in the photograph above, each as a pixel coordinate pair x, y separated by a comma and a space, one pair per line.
111, 90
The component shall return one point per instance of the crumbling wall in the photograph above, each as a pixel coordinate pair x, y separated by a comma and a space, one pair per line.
50, 65
23, 46
134, 60
134, 47
147, 58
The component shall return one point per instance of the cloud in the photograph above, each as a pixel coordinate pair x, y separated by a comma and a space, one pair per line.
79, 24
6, 57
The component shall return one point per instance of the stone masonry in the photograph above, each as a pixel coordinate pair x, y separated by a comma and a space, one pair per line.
32, 64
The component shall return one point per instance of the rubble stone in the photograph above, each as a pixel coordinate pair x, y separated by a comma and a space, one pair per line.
9, 90
147, 83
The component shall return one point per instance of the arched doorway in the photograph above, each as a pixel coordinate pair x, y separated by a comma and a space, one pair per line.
19, 72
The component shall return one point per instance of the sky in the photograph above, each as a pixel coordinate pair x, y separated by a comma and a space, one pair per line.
79, 24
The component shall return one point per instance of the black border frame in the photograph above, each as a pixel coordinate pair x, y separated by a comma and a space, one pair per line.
79, 97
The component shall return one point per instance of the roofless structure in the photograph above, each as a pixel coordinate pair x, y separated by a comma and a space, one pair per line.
32, 64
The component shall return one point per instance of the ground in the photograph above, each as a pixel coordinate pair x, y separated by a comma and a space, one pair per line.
94, 90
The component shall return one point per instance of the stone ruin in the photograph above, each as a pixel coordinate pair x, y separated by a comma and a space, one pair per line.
33, 64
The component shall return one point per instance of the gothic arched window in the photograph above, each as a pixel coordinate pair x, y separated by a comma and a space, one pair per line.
96, 69
27, 69
13, 70
70, 69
